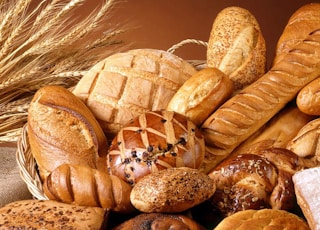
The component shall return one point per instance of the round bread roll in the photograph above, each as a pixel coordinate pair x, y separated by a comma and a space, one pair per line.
49, 215
308, 98
237, 47
159, 221
125, 85
252, 181
62, 129
172, 190
154, 141
201, 94
263, 219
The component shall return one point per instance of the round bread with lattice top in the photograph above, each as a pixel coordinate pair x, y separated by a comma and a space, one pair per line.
154, 141
125, 85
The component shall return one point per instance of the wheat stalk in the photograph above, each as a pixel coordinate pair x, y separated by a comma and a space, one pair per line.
45, 45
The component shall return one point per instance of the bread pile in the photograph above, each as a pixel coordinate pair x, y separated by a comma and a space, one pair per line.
150, 140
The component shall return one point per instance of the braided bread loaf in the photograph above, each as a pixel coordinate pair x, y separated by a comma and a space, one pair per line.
154, 141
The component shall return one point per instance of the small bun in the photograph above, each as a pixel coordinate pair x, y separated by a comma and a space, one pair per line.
154, 141
262, 219
172, 190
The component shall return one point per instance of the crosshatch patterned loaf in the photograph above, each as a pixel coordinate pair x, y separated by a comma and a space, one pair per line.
124, 85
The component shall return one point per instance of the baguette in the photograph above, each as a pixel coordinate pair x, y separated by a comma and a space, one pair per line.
246, 112
237, 47
308, 99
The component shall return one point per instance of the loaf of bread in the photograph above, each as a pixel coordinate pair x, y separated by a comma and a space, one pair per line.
127, 84
84, 186
252, 181
263, 219
61, 129
306, 142
201, 94
306, 185
308, 99
172, 190
237, 47
246, 112
50, 215
153, 141
159, 221
303, 21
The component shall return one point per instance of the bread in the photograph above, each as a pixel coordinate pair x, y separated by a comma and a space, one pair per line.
61, 129
201, 94
306, 142
84, 186
303, 21
236, 46
252, 181
49, 215
246, 112
308, 99
159, 221
263, 219
154, 141
172, 190
306, 185
125, 85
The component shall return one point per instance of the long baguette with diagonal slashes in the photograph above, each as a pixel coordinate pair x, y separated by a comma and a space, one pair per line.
246, 112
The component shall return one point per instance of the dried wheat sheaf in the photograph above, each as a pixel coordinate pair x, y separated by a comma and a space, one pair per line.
44, 44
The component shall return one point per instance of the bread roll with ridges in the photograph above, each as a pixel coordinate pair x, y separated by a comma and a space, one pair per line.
245, 113
201, 94
125, 85
84, 186
308, 99
237, 47
301, 22
61, 129
50, 215
306, 186
263, 219
172, 190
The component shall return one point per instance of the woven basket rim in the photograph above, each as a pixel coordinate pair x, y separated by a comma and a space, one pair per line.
28, 166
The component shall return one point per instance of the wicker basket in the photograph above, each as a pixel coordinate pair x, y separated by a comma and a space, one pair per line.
28, 166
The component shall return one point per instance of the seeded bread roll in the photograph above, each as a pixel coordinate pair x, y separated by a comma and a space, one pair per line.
201, 94
263, 219
237, 47
172, 190
50, 215
61, 129
154, 141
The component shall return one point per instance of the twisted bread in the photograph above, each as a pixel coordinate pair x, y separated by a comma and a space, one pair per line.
82, 185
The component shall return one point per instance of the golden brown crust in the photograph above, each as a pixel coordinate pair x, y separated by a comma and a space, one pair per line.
50, 215
237, 47
263, 219
201, 94
61, 129
84, 186
308, 99
172, 190
154, 141
127, 84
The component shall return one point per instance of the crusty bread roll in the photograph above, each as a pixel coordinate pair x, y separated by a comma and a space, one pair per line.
61, 129
159, 221
172, 190
50, 215
308, 99
246, 112
306, 185
306, 142
127, 84
237, 47
84, 186
252, 181
263, 219
303, 21
201, 94
154, 141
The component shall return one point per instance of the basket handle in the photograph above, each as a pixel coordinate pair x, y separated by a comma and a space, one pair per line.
173, 48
